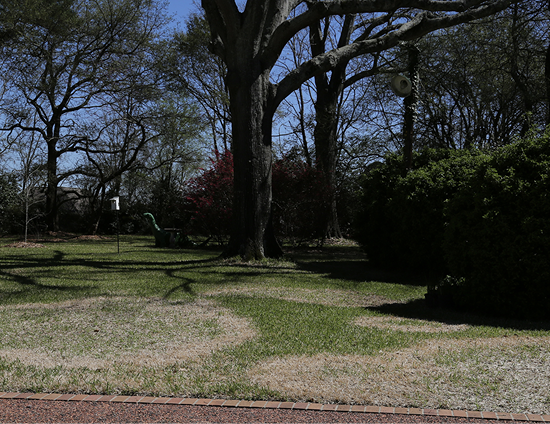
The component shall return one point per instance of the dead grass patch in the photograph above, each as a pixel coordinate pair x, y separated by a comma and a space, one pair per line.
498, 374
400, 324
92, 237
25, 245
96, 333
327, 297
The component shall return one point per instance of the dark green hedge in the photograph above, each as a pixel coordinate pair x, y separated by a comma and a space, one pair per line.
498, 237
402, 221
477, 223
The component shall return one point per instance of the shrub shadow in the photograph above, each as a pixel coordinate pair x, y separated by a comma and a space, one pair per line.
419, 309
359, 271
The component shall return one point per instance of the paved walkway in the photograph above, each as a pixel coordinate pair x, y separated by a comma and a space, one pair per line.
279, 406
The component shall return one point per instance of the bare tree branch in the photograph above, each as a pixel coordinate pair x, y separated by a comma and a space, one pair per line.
420, 25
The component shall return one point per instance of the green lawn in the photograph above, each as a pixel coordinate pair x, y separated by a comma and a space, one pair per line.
320, 325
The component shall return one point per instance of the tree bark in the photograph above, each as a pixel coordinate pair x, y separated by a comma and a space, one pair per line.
327, 117
250, 93
547, 79
326, 151
52, 221
51, 196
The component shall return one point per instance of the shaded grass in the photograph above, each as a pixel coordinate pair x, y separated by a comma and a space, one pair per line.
64, 271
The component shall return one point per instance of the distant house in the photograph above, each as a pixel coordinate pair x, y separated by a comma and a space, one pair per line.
73, 206
73, 201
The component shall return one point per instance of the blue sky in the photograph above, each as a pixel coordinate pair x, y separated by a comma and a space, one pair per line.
182, 8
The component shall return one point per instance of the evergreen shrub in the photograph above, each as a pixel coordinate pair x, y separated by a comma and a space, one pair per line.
498, 238
478, 223
402, 219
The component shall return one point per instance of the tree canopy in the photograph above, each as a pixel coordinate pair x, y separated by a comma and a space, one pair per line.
73, 68
117, 101
251, 40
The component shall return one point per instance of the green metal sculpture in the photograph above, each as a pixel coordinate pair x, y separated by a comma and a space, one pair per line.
164, 238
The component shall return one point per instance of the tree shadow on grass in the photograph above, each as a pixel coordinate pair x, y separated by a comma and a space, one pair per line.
350, 263
25, 275
30, 289
170, 278
184, 287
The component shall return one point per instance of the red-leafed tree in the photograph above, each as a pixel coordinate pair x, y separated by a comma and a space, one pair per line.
209, 198
299, 199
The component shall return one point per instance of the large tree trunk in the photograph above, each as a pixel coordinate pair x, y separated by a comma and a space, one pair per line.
52, 221
252, 235
547, 79
250, 42
326, 150
327, 117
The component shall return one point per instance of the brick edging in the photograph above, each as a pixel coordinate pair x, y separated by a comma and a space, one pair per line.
302, 406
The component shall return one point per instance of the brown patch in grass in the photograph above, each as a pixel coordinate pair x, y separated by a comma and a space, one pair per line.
57, 237
328, 297
92, 237
497, 374
398, 324
96, 333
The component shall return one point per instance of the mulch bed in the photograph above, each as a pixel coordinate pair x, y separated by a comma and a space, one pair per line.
54, 238
24, 245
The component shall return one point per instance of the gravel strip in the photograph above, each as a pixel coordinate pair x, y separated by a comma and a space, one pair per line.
36, 411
